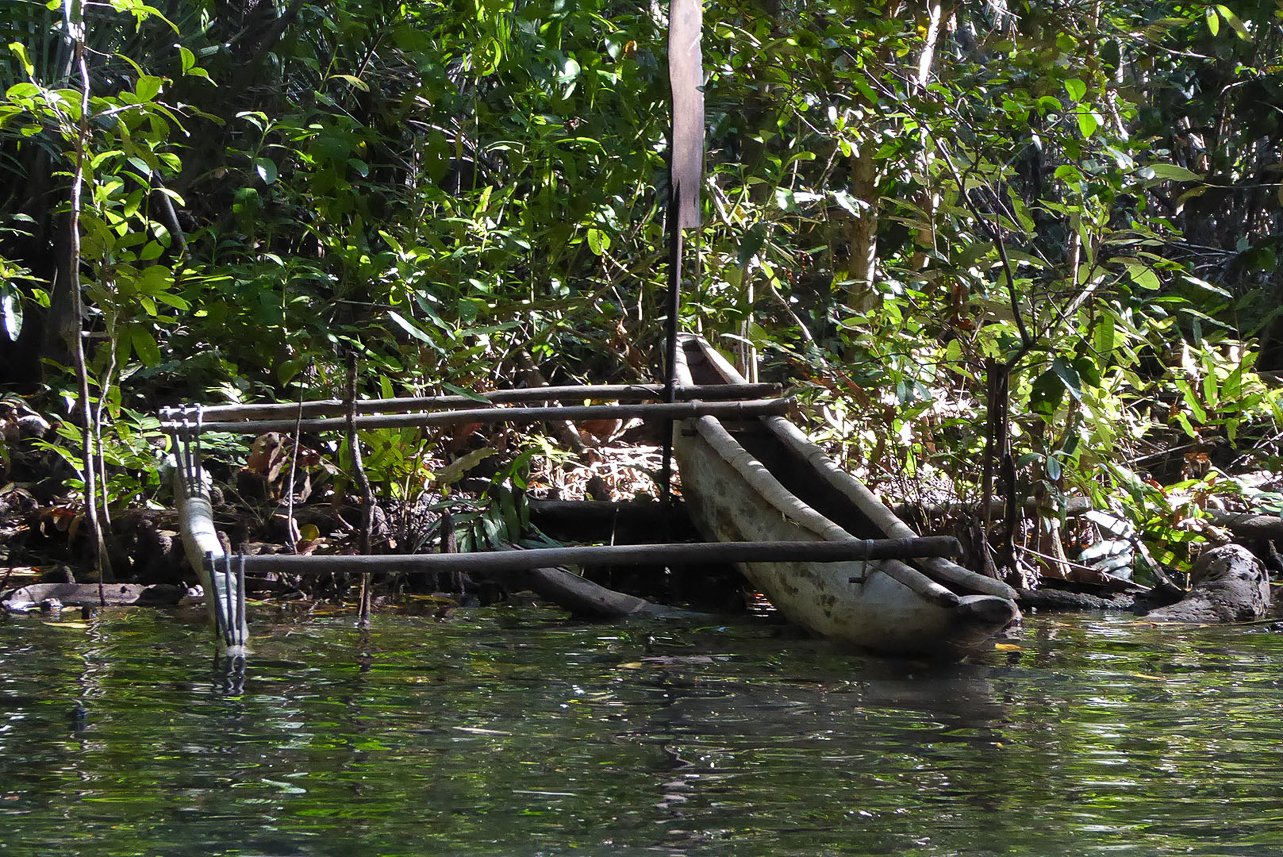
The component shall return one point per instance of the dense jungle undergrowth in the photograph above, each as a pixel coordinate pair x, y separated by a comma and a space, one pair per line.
1014, 259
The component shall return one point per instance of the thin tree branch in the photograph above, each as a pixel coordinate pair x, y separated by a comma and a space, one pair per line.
76, 30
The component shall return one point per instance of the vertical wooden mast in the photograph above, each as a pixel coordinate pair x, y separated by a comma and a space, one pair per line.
686, 168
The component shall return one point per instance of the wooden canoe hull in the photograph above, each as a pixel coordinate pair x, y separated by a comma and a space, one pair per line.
733, 495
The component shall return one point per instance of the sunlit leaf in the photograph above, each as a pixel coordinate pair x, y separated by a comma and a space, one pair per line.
1068, 375
1103, 335
466, 393
598, 241
1143, 276
10, 313
148, 87
144, 345
1174, 173
266, 169
20, 51
351, 80
1088, 121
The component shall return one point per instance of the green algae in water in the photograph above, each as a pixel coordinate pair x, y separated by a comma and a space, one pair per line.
518, 733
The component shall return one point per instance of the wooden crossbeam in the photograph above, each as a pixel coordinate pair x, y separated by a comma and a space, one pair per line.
488, 416
660, 554
567, 393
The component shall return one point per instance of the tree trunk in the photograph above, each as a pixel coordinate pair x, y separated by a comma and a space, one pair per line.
929, 199
862, 265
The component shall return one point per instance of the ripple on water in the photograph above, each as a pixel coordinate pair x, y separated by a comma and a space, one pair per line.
515, 732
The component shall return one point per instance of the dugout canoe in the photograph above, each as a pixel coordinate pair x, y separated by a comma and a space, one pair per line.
761, 479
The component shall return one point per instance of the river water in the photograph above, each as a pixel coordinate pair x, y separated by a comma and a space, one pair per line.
516, 732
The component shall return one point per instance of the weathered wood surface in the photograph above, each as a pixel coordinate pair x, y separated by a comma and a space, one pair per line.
583, 597
871, 507
895, 609
91, 595
1227, 584
686, 76
1060, 601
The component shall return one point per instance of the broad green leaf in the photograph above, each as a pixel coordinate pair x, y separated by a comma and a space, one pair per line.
1068, 376
141, 167
1205, 285
21, 52
455, 470
1191, 400
1087, 370
1234, 21
848, 202
266, 169
1053, 468
1045, 393
1183, 422
1027, 459
1103, 335
466, 393
1211, 393
1143, 276
1076, 89
148, 87
862, 85
1069, 173
1213, 20
598, 241
751, 244
569, 71
144, 345
22, 90
155, 279
1232, 389
173, 300
410, 328
1174, 173
1088, 121
11, 314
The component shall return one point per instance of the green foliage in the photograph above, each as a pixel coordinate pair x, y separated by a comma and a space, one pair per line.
1086, 195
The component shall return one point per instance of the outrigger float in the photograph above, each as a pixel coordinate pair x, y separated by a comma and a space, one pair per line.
762, 478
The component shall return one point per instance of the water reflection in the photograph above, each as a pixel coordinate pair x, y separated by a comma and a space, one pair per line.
517, 733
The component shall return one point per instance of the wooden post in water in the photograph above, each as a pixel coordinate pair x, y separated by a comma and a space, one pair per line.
685, 75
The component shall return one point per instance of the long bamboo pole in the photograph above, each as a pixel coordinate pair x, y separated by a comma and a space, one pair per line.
600, 392
487, 416
662, 554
